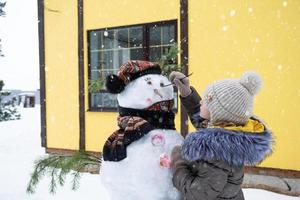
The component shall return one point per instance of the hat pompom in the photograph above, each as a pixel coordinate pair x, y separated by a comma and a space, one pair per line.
114, 84
251, 81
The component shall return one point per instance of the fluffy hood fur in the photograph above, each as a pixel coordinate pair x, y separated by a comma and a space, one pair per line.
236, 147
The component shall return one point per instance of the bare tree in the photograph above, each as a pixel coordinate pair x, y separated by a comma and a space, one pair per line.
2, 13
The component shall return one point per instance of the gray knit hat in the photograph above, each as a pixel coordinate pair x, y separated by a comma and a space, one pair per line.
231, 100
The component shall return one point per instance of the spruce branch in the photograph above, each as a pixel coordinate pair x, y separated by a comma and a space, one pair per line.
57, 167
75, 180
95, 85
168, 60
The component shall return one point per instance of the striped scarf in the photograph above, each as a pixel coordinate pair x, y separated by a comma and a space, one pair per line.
134, 124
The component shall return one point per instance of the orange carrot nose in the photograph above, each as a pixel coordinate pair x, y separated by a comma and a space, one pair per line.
157, 92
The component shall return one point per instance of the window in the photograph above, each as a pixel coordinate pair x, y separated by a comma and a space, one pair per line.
110, 48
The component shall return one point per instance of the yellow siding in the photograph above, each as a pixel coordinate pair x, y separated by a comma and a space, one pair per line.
62, 105
102, 14
229, 37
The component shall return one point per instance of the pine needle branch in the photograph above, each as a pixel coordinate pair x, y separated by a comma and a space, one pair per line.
58, 167
168, 61
95, 85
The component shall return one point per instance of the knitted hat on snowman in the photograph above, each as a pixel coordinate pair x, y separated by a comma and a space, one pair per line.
130, 71
231, 100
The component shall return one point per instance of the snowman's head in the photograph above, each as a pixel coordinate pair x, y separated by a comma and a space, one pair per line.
140, 84
146, 91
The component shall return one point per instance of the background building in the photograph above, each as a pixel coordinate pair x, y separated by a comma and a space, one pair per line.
83, 40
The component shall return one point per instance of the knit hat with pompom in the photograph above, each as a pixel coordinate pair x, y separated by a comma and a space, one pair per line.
231, 100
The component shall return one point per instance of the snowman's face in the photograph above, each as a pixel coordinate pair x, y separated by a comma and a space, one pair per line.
146, 91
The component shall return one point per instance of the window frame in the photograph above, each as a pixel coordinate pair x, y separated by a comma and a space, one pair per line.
146, 53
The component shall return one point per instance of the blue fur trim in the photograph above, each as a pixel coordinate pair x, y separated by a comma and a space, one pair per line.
235, 148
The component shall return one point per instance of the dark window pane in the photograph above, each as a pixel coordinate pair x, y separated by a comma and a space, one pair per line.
95, 40
136, 36
136, 54
155, 54
122, 37
155, 35
108, 39
107, 57
94, 64
100, 100
168, 34
124, 55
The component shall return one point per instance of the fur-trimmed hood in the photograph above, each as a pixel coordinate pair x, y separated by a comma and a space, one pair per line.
236, 146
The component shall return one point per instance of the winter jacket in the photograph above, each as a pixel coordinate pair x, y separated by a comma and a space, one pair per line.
192, 105
211, 160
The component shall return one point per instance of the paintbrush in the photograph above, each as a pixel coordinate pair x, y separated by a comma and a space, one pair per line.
179, 79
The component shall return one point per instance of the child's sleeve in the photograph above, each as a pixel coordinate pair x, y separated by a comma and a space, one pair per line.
192, 105
200, 180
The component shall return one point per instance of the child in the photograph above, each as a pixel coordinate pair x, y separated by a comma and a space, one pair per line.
209, 164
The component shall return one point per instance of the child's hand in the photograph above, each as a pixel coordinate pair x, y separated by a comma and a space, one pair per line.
165, 161
175, 156
183, 84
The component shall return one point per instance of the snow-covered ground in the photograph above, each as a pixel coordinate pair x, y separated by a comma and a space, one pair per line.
20, 146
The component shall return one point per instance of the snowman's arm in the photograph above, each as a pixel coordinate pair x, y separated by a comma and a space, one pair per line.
199, 181
192, 105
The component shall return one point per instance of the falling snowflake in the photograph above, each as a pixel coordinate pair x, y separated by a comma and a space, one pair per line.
279, 67
52, 119
285, 3
232, 13
225, 28
105, 33
223, 17
256, 40
247, 113
250, 10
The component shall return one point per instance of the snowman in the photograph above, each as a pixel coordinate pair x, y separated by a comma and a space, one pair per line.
136, 158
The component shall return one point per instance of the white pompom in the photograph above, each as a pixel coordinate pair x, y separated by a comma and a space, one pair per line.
251, 81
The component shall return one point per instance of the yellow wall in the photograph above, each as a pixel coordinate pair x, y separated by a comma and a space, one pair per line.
102, 14
62, 104
228, 37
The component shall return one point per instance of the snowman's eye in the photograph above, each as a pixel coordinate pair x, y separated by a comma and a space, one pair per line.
149, 82
162, 84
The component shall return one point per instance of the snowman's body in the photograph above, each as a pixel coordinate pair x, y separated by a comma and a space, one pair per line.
140, 176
